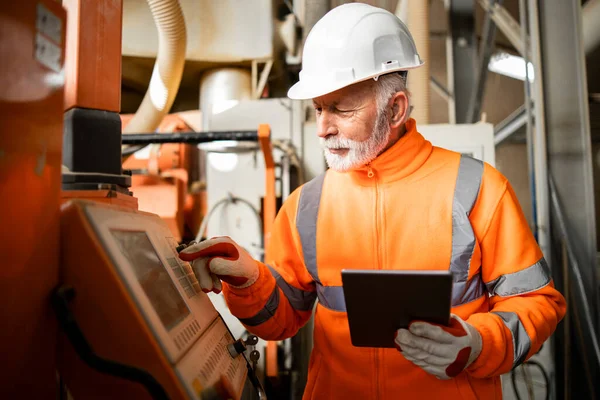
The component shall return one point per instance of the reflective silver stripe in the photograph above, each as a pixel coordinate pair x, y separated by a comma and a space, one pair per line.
306, 222
467, 291
468, 181
520, 338
527, 280
332, 297
267, 311
299, 299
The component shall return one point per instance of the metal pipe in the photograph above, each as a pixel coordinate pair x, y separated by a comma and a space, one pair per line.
485, 54
461, 50
168, 68
189, 137
440, 89
566, 322
575, 268
528, 118
510, 125
540, 161
506, 23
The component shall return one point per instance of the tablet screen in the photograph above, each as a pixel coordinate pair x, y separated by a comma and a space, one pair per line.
393, 300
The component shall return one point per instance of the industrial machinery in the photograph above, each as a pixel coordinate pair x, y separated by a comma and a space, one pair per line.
164, 178
110, 310
134, 321
133, 310
32, 51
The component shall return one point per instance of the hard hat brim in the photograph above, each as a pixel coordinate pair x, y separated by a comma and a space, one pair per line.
308, 90
303, 91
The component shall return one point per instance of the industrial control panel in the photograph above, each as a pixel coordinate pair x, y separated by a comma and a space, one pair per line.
139, 304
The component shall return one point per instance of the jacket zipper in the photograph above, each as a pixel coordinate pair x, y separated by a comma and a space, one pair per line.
371, 175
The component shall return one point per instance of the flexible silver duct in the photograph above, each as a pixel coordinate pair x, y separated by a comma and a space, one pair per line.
168, 67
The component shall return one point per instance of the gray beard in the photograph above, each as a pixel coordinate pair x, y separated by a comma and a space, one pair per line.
359, 153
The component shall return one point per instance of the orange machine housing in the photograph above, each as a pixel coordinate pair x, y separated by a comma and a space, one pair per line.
102, 196
100, 293
32, 35
162, 182
93, 67
93, 72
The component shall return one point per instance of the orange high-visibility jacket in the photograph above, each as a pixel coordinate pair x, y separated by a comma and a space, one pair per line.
414, 207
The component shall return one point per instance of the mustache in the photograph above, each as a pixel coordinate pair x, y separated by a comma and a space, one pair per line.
338, 143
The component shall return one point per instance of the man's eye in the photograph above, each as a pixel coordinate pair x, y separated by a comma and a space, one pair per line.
318, 110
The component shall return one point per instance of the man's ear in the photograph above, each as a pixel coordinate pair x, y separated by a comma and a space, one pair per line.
399, 109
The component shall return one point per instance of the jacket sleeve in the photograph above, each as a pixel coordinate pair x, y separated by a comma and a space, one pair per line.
525, 308
280, 302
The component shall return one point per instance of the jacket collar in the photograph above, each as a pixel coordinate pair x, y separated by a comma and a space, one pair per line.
407, 155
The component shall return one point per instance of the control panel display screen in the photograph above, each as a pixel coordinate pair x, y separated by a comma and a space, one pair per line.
153, 277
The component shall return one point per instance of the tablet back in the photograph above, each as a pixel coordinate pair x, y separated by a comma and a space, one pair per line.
381, 302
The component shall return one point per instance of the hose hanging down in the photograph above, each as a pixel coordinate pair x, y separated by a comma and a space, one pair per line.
168, 67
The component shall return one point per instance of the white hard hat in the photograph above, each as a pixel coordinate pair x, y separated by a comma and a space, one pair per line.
352, 43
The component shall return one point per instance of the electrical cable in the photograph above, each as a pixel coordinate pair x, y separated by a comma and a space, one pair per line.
528, 382
288, 149
60, 301
231, 200
545, 376
513, 380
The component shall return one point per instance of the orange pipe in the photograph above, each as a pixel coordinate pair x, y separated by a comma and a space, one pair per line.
269, 212
269, 208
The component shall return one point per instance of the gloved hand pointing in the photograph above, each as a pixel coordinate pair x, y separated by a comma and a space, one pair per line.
442, 351
220, 258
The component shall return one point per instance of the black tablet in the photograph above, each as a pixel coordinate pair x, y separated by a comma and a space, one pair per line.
381, 302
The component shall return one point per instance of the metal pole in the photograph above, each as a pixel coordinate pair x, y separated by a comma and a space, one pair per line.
566, 323
540, 160
462, 53
586, 310
440, 89
528, 120
509, 125
450, 71
505, 22
485, 53
570, 165
188, 137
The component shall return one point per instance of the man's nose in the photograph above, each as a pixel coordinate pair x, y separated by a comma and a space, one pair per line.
326, 125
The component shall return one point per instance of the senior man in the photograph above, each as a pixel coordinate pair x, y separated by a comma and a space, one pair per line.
390, 200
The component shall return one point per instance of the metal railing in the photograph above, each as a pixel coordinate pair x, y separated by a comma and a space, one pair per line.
578, 279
